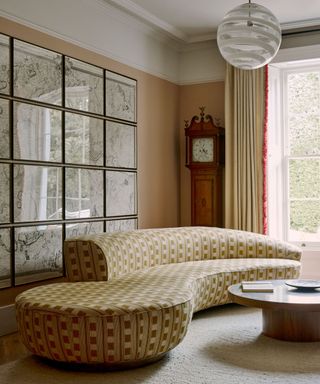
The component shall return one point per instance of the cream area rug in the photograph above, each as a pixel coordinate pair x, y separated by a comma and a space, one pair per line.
224, 345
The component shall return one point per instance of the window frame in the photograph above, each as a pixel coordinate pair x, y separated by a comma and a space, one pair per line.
279, 158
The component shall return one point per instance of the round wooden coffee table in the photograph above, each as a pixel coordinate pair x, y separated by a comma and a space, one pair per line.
287, 313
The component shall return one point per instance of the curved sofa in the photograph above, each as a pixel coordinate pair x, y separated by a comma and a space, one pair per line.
132, 295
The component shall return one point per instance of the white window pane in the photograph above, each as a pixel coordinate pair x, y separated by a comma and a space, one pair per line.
84, 86
304, 221
84, 193
37, 193
37, 133
83, 139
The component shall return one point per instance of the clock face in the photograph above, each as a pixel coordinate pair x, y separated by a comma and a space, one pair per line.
202, 149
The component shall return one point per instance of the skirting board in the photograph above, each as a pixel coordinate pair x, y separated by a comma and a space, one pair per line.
8, 323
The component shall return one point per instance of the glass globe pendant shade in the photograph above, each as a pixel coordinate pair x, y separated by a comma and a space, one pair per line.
249, 36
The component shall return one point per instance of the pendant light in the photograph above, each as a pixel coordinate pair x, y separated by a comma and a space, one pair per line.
249, 36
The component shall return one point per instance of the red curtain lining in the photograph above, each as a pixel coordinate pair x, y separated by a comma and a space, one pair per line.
265, 153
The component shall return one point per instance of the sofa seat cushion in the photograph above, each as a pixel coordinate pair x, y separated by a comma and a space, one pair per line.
161, 286
208, 280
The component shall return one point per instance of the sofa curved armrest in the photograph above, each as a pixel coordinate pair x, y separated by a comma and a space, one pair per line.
244, 244
84, 260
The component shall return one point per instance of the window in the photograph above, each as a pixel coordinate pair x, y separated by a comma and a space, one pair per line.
294, 153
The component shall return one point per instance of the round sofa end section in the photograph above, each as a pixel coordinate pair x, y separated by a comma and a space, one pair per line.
96, 335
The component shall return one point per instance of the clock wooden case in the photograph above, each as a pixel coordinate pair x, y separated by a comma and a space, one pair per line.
205, 158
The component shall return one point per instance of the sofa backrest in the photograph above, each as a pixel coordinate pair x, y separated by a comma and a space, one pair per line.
106, 256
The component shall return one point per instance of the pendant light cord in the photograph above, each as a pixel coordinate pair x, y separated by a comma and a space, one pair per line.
249, 22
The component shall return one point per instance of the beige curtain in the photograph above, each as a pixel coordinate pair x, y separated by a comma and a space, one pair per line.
244, 115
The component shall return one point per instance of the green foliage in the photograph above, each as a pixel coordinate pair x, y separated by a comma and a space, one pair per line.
304, 150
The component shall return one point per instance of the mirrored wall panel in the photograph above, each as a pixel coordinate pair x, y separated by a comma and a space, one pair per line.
81, 229
121, 225
4, 193
84, 86
83, 139
4, 129
5, 260
120, 96
68, 157
37, 73
120, 193
4, 64
38, 253
37, 133
37, 193
84, 193
120, 145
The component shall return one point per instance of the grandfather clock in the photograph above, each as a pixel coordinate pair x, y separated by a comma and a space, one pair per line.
205, 159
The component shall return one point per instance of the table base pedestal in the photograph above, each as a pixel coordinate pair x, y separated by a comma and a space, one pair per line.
291, 325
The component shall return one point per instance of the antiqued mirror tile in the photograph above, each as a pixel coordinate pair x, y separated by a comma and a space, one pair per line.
121, 225
66, 160
4, 193
4, 129
38, 253
120, 96
5, 251
83, 139
4, 65
84, 193
37, 73
79, 229
120, 145
37, 193
120, 193
84, 86
37, 133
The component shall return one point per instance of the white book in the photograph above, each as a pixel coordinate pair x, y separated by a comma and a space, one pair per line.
257, 286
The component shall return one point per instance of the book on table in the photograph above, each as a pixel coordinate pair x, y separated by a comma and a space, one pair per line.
257, 286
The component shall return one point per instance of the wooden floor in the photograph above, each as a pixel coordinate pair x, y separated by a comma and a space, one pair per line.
11, 348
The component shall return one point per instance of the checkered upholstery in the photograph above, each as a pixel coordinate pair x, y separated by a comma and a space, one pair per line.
106, 256
141, 308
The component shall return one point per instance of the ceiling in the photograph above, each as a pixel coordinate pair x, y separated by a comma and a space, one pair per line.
194, 21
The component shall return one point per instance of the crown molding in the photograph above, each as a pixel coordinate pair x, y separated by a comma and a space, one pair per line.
197, 46
297, 53
120, 16
203, 80
202, 38
129, 7
285, 27
120, 13
132, 8
304, 24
